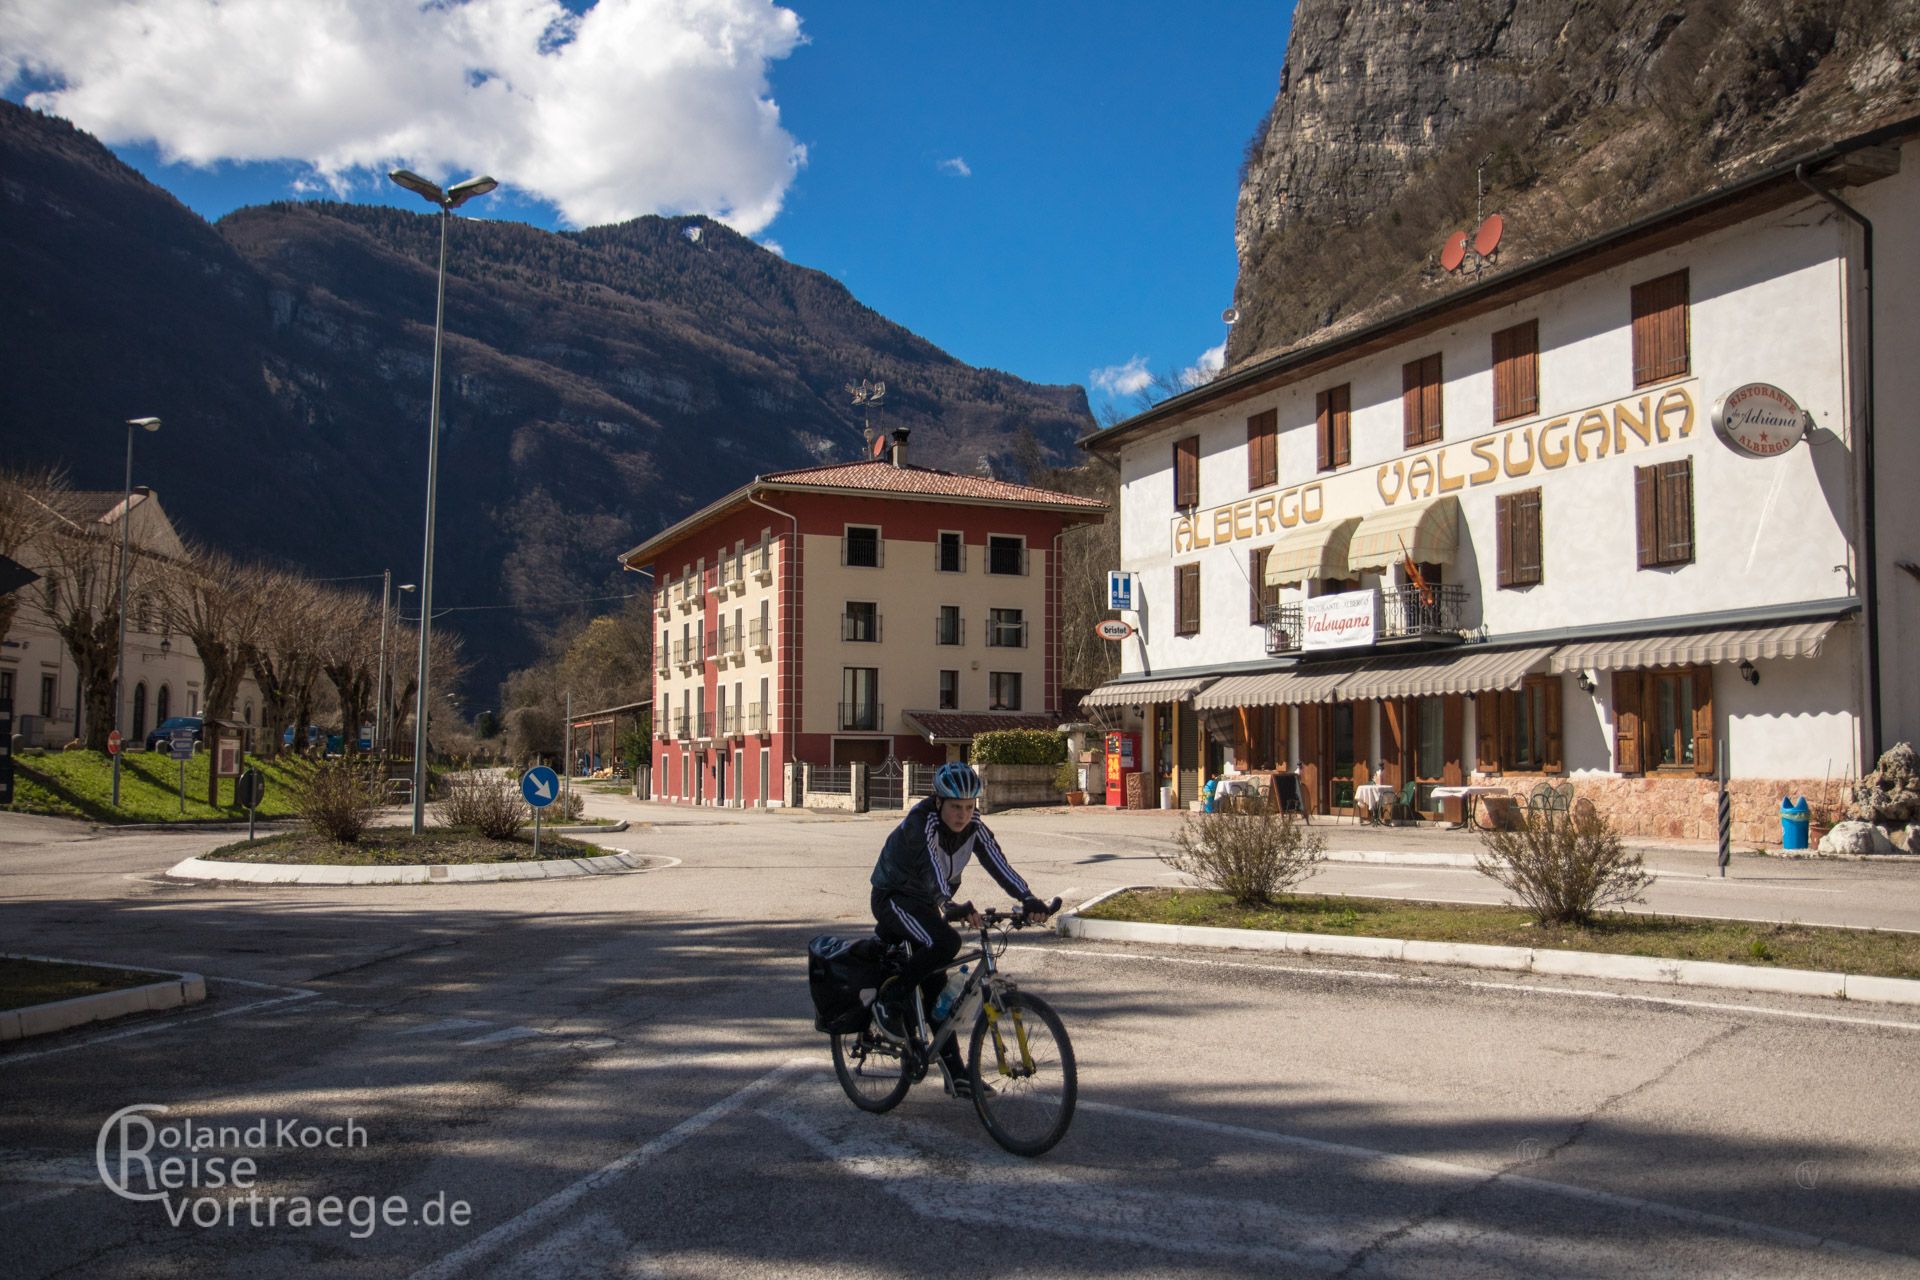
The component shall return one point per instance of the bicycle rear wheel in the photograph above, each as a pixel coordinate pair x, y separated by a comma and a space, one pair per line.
1023, 1076
872, 1070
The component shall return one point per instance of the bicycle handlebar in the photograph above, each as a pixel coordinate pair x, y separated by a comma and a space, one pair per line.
1017, 919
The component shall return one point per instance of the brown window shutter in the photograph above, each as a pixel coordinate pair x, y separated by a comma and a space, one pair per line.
1323, 427
1411, 404
1261, 453
1431, 387
1626, 721
1486, 728
1186, 472
1553, 761
1526, 537
1341, 408
1646, 513
1503, 539
1187, 603
1453, 729
1516, 371
1676, 512
1703, 720
1662, 336
1256, 580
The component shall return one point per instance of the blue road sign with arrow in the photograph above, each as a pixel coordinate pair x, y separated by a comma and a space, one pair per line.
540, 785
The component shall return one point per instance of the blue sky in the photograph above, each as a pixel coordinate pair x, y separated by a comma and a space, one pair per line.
1046, 189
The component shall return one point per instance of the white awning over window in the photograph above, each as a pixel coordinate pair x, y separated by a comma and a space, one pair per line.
1426, 531
1277, 688
1437, 675
1317, 551
1140, 693
1695, 648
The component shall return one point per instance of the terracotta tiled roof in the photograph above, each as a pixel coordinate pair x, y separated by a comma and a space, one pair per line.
884, 477
961, 726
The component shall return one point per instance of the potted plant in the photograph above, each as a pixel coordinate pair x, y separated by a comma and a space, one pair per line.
1066, 780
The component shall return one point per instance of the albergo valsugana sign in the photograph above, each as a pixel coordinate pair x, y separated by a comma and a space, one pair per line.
1631, 425
1339, 621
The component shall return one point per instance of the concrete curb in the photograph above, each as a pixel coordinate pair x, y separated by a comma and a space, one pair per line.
618, 862
1543, 960
43, 1019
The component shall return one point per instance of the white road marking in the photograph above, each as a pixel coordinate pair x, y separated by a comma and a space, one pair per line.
444, 1024
503, 1036
1463, 1172
461, 1261
172, 1024
1519, 988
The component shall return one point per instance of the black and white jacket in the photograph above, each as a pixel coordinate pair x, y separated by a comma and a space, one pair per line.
924, 861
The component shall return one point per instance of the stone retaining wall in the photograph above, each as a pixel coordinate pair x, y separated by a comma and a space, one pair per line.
1684, 808
1008, 785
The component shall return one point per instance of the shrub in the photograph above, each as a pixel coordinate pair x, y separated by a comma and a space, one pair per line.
1067, 777
1252, 856
1564, 868
485, 801
339, 800
1019, 746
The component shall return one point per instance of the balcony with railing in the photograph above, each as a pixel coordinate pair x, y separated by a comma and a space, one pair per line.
1283, 628
949, 630
760, 564
759, 640
1002, 634
861, 715
663, 600
703, 726
1407, 612
683, 726
756, 721
729, 722
861, 626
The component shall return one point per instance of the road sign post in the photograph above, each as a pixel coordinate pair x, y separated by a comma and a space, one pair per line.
180, 742
540, 785
6, 752
249, 789
113, 743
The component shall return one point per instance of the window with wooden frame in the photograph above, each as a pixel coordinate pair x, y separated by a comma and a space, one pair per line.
1263, 452
1662, 340
1420, 400
1516, 371
1186, 472
1186, 600
1333, 417
1663, 720
1261, 597
1516, 523
1520, 729
1663, 513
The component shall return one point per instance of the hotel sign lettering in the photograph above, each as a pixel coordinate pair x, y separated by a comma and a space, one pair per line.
1340, 621
1550, 444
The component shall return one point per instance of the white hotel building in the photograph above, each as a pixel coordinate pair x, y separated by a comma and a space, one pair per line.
1497, 537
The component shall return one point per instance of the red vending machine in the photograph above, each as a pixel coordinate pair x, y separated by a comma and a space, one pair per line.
1123, 758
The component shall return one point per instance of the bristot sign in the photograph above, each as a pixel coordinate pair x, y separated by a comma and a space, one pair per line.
1759, 420
1340, 621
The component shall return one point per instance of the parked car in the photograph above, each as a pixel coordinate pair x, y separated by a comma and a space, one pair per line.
163, 732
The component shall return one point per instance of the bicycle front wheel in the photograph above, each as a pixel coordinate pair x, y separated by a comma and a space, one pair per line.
1020, 1064
872, 1070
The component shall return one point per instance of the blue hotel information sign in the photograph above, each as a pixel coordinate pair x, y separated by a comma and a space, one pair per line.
1120, 589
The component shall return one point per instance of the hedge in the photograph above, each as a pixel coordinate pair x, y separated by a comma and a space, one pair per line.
1019, 746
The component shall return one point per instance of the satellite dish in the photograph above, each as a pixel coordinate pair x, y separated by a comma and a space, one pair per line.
1487, 238
1455, 251
1230, 316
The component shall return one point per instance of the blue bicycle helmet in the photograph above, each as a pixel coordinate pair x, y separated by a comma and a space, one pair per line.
956, 781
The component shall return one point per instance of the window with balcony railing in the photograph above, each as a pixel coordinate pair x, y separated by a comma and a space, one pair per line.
1006, 629
760, 563
1283, 628
703, 725
861, 546
1006, 554
756, 719
1437, 608
861, 621
949, 627
683, 726
757, 636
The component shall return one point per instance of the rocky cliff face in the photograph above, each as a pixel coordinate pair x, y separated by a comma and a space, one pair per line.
598, 386
1575, 114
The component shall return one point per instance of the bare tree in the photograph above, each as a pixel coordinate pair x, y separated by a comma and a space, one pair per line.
79, 592
216, 602
447, 669
284, 654
349, 649
26, 517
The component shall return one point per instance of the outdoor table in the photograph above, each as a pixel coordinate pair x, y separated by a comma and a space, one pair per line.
1373, 797
1468, 797
1225, 789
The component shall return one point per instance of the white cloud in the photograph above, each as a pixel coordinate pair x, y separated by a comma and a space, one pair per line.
631, 107
1126, 379
773, 247
957, 166
1206, 368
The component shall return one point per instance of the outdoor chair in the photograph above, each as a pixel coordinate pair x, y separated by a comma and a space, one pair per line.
1541, 801
1408, 802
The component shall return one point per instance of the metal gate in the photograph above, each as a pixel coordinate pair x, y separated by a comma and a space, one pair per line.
886, 784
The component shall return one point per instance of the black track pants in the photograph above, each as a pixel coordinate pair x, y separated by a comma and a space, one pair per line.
935, 942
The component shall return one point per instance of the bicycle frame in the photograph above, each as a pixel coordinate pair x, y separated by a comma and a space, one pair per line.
983, 989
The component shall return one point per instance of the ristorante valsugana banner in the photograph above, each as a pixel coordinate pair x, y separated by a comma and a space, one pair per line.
1590, 436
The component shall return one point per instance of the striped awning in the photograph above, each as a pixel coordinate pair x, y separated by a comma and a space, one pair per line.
1125, 693
1434, 676
1691, 648
1317, 551
1276, 688
1427, 531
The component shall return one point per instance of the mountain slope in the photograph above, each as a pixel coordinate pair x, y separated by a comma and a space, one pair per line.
598, 385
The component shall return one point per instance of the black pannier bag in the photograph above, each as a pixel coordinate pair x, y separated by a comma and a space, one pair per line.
844, 974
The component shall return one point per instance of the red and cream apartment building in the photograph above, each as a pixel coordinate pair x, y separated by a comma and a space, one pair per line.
1621, 516
850, 613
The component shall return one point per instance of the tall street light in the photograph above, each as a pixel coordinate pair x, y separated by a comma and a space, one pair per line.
120, 668
446, 201
380, 685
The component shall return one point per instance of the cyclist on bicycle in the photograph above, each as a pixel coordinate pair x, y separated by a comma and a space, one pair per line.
914, 884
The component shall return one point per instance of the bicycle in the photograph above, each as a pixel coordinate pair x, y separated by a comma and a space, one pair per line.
1024, 1092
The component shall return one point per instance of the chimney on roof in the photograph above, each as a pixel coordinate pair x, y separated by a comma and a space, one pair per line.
900, 446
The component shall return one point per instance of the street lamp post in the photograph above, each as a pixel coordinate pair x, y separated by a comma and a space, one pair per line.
120, 656
446, 201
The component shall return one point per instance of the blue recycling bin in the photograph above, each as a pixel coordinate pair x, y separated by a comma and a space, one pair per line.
1794, 817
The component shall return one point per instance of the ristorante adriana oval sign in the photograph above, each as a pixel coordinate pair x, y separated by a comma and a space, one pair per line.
1759, 420
1112, 629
